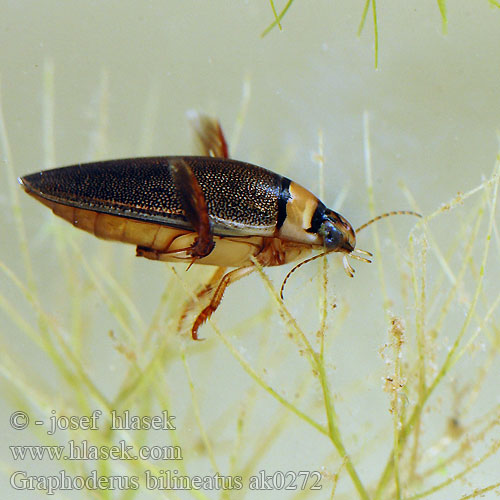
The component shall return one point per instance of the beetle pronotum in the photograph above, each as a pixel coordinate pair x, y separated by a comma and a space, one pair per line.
198, 209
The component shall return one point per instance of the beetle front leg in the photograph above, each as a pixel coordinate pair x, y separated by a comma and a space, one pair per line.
226, 280
194, 206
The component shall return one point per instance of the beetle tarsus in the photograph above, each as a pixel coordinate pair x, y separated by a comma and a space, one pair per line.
202, 294
202, 317
226, 280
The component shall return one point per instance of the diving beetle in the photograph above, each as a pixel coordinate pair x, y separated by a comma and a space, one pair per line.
206, 209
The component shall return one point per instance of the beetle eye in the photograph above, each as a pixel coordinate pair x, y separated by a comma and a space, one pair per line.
332, 237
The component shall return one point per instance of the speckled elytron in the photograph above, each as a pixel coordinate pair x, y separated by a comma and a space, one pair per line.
238, 195
197, 209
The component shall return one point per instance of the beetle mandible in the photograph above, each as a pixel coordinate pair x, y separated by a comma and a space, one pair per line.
206, 209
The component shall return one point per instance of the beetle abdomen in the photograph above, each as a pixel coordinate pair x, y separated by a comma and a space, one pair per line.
241, 197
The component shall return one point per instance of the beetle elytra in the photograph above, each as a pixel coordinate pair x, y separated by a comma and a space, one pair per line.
207, 209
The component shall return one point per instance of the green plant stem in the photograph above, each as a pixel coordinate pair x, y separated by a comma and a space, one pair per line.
278, 19
444, 17
375, 31
371, 206
275, 14
375, 24
333, 431
421, 339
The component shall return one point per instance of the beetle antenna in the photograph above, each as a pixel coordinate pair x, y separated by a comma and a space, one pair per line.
300, 264
387, 214
347, 267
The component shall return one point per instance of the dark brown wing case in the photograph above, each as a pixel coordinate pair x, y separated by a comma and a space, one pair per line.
241, 197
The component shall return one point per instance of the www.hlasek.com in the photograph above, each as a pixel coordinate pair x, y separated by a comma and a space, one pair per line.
165, 480
84, 450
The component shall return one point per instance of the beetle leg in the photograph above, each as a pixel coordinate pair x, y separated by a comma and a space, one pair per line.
209, 138
200, 295
194, 206
226, 280
152, 254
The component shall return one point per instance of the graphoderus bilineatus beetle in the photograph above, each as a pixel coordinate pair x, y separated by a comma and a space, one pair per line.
207, 209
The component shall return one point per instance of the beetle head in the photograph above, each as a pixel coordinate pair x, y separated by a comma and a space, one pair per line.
338, 235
